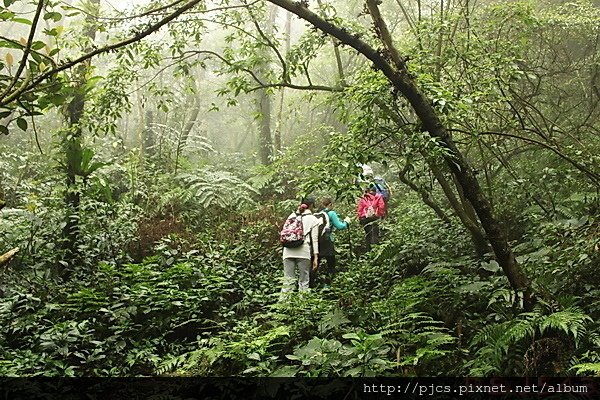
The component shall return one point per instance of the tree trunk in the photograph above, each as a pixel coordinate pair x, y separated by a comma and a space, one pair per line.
399, 76
265, 145
263, 100
193, 119
480, 242
72, 146
288, 46
6, 257
148, 138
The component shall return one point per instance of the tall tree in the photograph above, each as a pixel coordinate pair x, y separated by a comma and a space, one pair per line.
73, 141
288, 46
263, 98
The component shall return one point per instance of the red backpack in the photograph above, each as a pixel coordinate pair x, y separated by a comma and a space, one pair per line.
370, 206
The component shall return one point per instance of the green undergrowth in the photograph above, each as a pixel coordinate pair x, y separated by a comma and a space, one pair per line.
419, 304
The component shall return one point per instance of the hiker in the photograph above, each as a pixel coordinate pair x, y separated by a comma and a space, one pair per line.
300, 238
381, 185
367, 172
331, 221
371, 208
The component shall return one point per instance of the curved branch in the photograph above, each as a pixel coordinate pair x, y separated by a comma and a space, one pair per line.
261, 84
221, 23
269, 42
425, 195
6, 99
160, 71
26, 51
154, 12
298, 87
145, 14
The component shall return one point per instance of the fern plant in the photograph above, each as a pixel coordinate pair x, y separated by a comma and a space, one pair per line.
528, 339
210, 188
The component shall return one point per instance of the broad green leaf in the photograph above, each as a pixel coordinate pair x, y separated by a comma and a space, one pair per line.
351, 336
22, 123
22, 21
38, 45
53, 15
6, 15
492, 266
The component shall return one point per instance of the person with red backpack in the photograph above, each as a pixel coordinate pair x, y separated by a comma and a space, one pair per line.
381, 186
371, 207
300, 240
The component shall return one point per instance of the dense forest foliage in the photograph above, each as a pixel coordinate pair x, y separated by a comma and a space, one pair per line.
151, 151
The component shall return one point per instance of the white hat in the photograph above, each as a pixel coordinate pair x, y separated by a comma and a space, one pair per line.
366, 170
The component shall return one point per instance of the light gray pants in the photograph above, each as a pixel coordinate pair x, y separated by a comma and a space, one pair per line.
289, 274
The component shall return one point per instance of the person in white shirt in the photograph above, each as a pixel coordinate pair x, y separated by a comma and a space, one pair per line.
306, 255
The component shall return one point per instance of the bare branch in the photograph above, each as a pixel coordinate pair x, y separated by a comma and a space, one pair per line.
261, 84
269, 42
425, 195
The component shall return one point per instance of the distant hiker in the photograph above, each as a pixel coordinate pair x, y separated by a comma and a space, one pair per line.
330, 222
300, 240
371, 208
367, 171
381, 186
364, 177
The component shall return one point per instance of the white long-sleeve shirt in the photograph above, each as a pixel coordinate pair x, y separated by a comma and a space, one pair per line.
310, 225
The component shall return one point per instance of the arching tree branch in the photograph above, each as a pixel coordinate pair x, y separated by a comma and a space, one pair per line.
7, 97
26, 50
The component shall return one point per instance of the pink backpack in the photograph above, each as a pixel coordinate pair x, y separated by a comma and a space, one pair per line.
370, 205
292, 234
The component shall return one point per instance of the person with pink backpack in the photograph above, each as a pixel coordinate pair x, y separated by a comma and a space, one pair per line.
300, 240
371, 207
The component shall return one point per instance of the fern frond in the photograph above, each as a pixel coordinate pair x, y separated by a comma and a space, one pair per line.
517, 331
572, 322
489, 334
587, 367
210, 188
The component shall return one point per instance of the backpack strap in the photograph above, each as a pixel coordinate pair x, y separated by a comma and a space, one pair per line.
302, 222
327, 222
